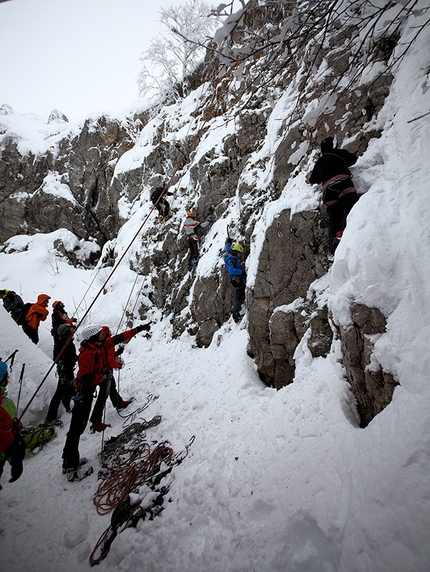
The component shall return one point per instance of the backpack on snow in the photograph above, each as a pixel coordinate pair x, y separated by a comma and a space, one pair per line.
35, 436
24, 311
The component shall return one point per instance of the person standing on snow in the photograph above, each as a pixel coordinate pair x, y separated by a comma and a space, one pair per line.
232, 261
36, 314
65, 370
12, 303
59, 317
191, 226
12, 446
108, 385
339, 194
92, 365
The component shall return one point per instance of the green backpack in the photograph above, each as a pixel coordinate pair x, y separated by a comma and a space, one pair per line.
35, 436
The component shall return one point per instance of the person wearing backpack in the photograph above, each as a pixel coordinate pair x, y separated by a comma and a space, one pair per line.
12, 447
12, 303
65, 370
161, 204
59, 317
339, 193
37, 313
233, 263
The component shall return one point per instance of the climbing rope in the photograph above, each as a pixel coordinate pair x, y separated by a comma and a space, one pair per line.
121, 258
144, 466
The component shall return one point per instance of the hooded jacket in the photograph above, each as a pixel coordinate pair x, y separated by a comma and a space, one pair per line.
331, 164
96, 359
37, 312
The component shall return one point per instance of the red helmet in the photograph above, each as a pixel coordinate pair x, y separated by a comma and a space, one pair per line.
191, 214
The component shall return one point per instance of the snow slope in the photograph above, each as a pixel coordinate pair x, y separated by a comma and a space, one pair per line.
274, 480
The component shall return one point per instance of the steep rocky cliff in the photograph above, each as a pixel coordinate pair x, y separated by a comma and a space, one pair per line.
237, 151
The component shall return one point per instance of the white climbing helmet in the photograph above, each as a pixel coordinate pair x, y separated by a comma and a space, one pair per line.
90, 331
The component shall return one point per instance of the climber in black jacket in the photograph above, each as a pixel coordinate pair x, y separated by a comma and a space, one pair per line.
339, 193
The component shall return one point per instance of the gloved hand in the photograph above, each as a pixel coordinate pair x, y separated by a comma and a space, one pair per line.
120, 361
229, 240
16, 425
77, 387
119, 351
143, 328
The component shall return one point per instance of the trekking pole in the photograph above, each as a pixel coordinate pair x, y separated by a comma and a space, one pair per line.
12, 358
21, 377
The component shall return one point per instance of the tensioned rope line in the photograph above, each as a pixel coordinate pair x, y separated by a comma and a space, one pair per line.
121, 258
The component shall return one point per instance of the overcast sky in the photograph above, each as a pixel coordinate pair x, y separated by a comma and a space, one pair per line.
78, 56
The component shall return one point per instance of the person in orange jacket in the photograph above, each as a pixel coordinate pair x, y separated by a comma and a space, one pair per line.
37, 313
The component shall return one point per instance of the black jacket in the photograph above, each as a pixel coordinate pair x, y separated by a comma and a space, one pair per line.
13, 304
331, 164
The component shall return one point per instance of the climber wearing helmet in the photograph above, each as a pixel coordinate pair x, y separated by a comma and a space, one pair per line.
191, 227
59, 317
232, 260
93, 363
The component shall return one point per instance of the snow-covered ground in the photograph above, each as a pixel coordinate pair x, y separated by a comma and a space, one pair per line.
274, 480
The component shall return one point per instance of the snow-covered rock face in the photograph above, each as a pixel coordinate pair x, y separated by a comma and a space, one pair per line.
237, 153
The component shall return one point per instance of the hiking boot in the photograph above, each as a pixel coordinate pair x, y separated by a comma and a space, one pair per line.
99, 427
78, 474
82, 461
123, 404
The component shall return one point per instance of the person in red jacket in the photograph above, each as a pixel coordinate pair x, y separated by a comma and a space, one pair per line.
12, 447
36, 314
92, 366
108, 385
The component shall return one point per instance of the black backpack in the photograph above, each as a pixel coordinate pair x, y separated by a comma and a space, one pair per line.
24, 311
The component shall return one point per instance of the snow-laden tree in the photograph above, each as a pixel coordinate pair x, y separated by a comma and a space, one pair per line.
285, 31
175, 54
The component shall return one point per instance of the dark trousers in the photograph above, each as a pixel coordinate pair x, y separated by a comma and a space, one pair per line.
63, 393
239, 287
337, 214
80, 414
31, 333
107, 388
193, 245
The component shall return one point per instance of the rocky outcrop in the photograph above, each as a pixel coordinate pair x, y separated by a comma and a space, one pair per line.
73, 186
291, 259
372, 386
68, 186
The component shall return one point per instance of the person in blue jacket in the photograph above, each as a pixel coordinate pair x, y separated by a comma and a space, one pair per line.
232, 260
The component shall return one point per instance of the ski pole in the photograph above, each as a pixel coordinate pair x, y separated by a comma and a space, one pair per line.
12, 358
21, 377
